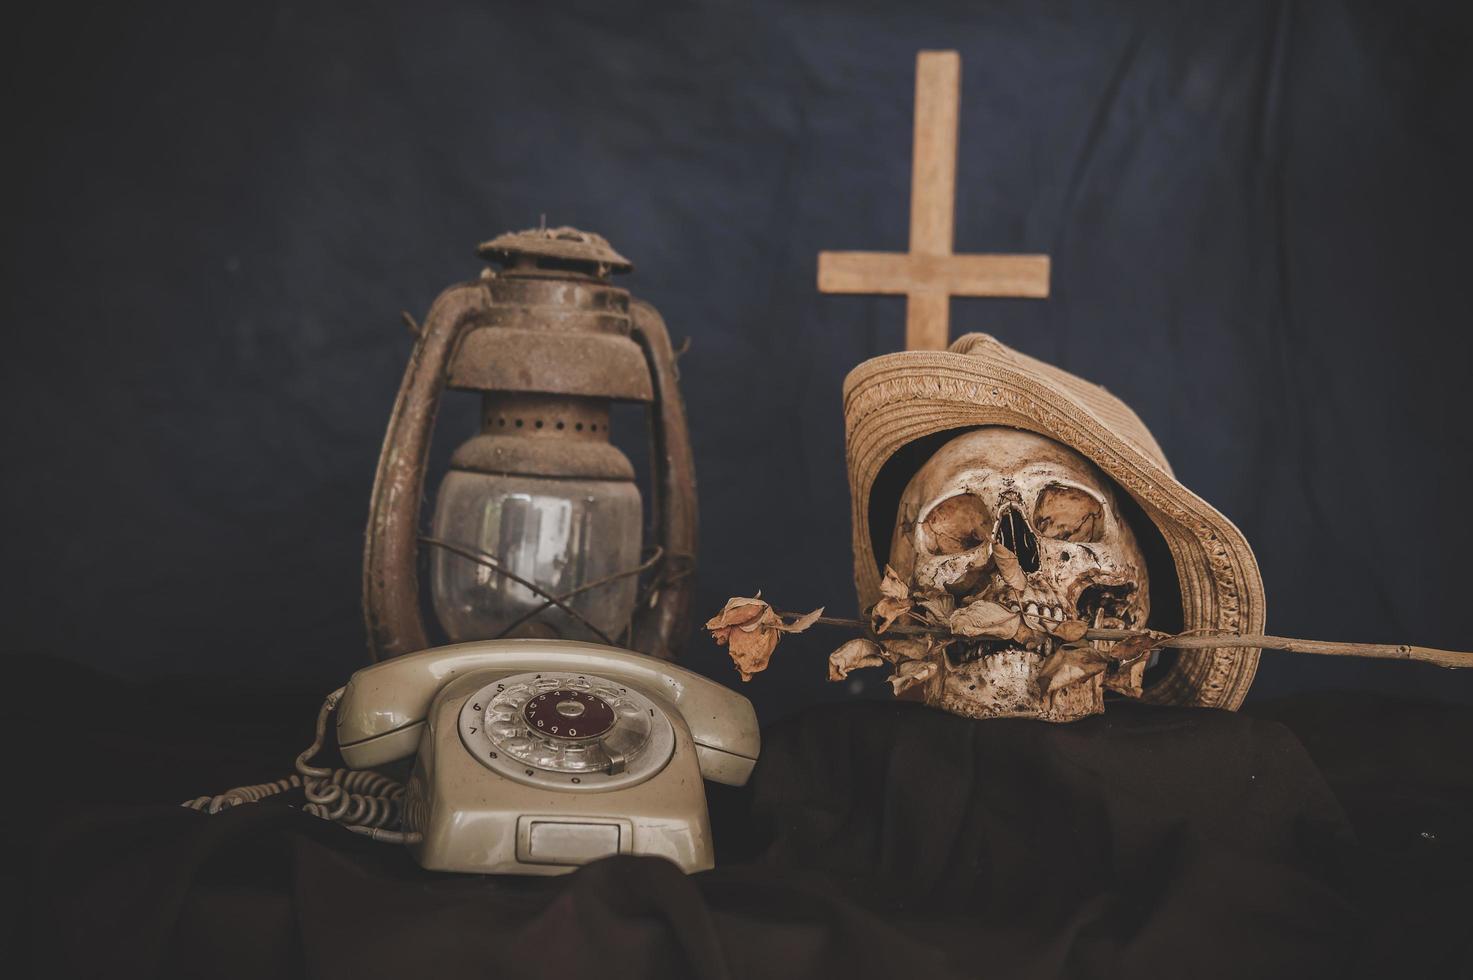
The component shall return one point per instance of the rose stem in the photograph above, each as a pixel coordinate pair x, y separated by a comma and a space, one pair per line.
1207, 641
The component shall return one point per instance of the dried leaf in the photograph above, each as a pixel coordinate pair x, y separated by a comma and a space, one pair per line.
1127, 678
1070, 630
910, 673
1008, 568
1130, 649
886, 612
892, 587
894, 602
854, 655
984, 619
937, 606
1026, 635
802, 622
1068, 665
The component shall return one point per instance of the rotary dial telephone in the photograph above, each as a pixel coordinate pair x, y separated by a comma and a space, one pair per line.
531, 756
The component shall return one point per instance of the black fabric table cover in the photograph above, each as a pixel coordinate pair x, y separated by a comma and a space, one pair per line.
876, 839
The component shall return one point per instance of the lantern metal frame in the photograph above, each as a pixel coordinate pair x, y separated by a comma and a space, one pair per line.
547, 333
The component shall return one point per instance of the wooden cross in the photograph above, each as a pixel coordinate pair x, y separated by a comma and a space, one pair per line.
930, 274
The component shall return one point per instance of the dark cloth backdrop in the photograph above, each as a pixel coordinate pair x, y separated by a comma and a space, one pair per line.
1257, 214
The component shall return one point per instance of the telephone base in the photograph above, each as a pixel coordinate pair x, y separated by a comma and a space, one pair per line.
471, 820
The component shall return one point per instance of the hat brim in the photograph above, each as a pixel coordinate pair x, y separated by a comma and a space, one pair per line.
893, 400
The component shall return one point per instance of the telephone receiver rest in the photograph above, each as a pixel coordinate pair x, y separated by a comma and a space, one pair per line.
382, 712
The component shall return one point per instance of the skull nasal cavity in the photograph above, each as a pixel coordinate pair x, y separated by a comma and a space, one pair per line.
1014, 534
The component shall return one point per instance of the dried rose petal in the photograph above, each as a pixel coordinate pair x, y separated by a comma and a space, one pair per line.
1070, 630
892, 587
1008, 568
751, 651
910, 673
854, 655
1069, 665
887, 612
984, 619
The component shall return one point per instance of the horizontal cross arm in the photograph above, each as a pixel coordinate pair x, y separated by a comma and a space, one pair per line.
957, 275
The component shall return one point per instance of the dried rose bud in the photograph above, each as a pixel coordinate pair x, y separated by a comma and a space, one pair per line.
750, 629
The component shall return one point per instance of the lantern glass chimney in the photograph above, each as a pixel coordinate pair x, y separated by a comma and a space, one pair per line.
559, 534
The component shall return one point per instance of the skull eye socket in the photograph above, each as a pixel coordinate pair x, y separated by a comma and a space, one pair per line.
957, 524
1068, 514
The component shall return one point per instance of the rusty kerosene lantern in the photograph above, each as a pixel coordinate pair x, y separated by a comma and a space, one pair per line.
538, 527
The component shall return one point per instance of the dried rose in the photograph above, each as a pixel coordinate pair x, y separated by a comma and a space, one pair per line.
750, 629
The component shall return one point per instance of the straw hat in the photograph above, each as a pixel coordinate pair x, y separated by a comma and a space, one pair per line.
897, 408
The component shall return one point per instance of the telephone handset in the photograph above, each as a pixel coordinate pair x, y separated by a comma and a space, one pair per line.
532, 756
536, 756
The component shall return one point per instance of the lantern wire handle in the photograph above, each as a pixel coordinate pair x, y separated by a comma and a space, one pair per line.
640, 569
490, 561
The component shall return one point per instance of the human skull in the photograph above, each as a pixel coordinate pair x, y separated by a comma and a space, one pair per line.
1058, 514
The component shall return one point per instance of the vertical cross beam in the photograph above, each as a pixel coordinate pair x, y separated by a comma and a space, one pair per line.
933, 189
930, 274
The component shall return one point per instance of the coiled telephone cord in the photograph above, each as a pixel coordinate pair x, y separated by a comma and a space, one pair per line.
363, 801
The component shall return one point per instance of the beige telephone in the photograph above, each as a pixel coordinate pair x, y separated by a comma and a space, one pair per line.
534, 756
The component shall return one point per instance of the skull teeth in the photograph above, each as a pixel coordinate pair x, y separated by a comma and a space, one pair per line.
1051, 613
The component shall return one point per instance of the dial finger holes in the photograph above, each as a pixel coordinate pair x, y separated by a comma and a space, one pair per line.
1068, 514
956, 524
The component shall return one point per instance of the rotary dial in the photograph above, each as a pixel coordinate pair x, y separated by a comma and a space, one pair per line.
576, 731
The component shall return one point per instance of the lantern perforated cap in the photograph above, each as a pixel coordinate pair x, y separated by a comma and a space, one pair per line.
564, 244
